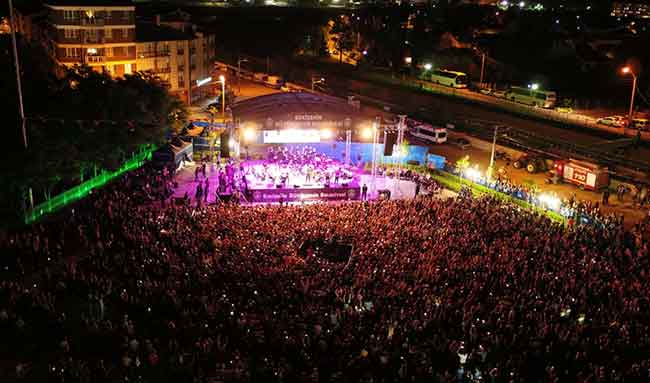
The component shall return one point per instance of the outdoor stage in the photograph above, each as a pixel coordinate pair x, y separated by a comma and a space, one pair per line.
314, 178
399, 189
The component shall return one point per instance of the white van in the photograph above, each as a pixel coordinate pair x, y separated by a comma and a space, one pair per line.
260, 77
433, 134
274, 82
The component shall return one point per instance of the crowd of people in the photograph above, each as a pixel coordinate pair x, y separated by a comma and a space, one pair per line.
127, 287
571, 208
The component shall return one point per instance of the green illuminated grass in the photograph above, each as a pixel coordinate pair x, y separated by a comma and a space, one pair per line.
80, 191
454, 183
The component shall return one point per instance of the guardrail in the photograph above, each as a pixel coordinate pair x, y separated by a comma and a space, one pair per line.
530, 111
526, 141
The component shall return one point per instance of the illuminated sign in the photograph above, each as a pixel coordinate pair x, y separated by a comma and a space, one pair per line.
308, 117
329, 194
203, 81
291, 136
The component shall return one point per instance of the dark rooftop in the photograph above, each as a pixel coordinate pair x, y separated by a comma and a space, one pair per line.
91, 3
148, 32
283, 106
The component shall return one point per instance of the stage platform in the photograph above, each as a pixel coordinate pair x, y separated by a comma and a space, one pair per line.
399, 189
298, 194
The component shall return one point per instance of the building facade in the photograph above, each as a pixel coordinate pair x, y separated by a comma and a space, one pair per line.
634, 9
180, 55
99, 33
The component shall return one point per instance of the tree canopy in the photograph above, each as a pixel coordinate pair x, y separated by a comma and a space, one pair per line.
78, 122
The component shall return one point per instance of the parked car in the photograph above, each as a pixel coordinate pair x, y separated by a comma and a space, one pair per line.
564, 109
641, 123
493, 92
462, 143
617, 121
274, 82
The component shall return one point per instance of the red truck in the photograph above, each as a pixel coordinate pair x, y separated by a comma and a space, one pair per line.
586, 175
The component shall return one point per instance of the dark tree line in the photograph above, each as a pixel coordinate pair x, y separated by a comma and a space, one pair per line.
79, 122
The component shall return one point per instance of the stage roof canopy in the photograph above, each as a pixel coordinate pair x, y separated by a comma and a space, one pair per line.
294, 106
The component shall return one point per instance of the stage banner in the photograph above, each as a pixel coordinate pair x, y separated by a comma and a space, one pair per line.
291, 136
298, 194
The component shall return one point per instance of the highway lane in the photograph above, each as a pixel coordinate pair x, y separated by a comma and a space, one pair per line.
443, 109
449, 110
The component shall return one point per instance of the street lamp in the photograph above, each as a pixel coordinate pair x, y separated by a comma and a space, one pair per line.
367, 132
249, 134
428, 66
534, 86
222, 79
239, 61
316, 80
626, 70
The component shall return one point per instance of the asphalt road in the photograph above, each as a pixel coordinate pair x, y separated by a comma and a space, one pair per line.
451, 110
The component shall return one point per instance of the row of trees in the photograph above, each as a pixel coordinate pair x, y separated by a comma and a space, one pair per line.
79, 121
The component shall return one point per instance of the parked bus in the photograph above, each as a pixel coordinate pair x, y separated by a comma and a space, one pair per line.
449, 78
541, 98
427, 132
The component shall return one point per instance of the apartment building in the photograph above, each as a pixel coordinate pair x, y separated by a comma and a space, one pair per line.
178, 53
99, 33
634, 9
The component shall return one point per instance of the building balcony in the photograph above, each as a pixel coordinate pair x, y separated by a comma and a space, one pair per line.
144, 55
94, 40
96, 21
162, 70
95, 59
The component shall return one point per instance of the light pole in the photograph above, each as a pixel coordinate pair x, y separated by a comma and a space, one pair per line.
222, 79
239, 61
316, 80
494, 145
18, 82
482, 68
626, 70
375, 137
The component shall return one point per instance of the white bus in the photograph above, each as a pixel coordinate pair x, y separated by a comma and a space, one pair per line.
449, 78
541, 98
429, 133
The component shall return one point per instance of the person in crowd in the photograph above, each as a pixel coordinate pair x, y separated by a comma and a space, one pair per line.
206, 190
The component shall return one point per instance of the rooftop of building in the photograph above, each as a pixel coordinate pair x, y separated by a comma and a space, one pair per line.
150, 32
91, 3
286, 105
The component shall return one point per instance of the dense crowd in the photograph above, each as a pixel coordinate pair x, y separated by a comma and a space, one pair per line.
129, 288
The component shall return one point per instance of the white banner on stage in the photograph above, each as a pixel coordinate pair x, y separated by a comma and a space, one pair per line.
291, 136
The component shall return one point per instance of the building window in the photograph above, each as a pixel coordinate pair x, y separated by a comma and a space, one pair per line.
181, 80
69, 15
71, 34
108, 33
119, 51
72, 52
